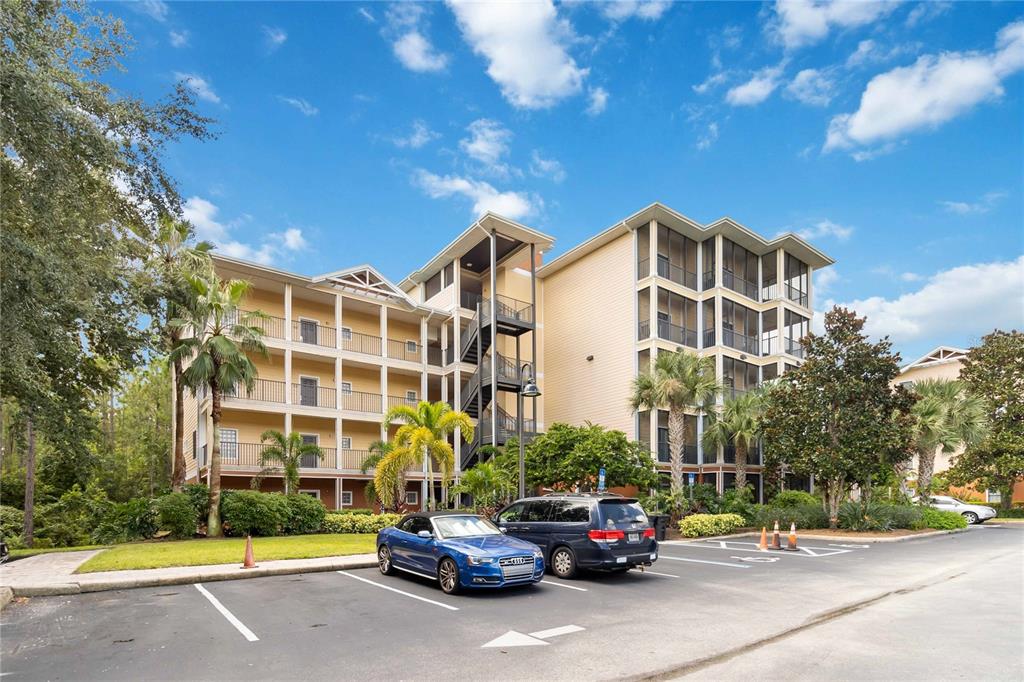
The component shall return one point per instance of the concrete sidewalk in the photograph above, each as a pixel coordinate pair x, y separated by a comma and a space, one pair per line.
54, 573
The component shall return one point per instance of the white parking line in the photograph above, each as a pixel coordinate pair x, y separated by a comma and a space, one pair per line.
667, 575
407, 594
809, 552
701, 561
568, 587
239, 625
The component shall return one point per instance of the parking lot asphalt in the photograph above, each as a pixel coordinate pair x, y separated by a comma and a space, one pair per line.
707, 610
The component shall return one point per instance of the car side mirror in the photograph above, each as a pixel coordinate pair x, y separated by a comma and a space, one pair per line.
503, 530
425, 534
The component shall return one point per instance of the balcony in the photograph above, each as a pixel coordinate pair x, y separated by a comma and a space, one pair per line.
397, 400
794, 348
469, 299
664, 456
733, 281
795, 295
249, 456
360, 343
314, 395
741, 342
709, 338
708, 281
643, 330
753, 455
263, 390
358, 401
435, 355
314, 333
404, 350
770, 345
677, 334
272, 327
730, 392
643, 268
677, 274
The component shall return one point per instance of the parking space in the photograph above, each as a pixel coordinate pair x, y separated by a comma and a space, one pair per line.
697, 598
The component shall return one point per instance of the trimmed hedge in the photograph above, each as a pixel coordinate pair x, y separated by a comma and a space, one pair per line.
250, 512
941, 520
305, 515
177, 515
359, 523
701, 525
803, 515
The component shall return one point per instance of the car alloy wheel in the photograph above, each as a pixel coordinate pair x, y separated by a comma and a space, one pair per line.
563, 563
448, 576
384, 560
971, 517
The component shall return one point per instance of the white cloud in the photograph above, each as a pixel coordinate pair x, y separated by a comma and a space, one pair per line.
526, 46
513, 205
869, 51
985, 204
302, 105
420, 136
813, 87
620, 10
366, 14
274, 37
926, 11
203, 216
969, 300
709, 137
824, 280
406, 29
179, 38
598, 101
157, 9
910, 277
930, 92
757, 89
546, 168
487, 142
805, 22
292, 239
822, 229
713, 80
199, 85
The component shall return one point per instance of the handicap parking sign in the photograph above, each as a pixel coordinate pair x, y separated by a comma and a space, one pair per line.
600, 479
692, 478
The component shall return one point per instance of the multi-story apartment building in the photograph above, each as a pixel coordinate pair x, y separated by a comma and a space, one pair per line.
483, 315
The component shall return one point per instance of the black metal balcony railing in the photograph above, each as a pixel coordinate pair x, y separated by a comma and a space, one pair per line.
794, 348
435, 355
272, 327
507, 427
743, 286
677, 274
358, 401
396, 400
796, 295
314, 333
361, 343
709, 338
677, 334
404, 350
708, 280
314, 395
250, 456
263, 390
510, 308
741, 342
643, 330
507, 370
664, 456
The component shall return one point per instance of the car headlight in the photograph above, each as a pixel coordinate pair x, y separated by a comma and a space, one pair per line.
479, 560
537, 554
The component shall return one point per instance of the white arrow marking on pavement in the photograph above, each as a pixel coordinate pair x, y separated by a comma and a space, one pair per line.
555, 632
757, 559
513, 638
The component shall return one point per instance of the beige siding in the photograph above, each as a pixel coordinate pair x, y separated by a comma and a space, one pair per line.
589, 311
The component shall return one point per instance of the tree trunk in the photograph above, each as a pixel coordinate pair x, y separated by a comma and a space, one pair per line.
833, 497
30, 483
741, 466
925, 468
430, 479
178, 428
213, 529
902, 469
676, 439
1006, 495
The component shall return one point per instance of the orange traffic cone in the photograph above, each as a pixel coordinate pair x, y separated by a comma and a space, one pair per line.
763, 545
791, 544
775, 537
250, 560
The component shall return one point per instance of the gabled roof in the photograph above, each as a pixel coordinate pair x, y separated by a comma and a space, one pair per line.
366, 281
939, 356
740, 234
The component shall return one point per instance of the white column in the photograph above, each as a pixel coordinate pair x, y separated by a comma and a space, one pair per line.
423, 344
384, 387
718, 260
337, 493
780, 274
287, 423
384, 331
338, 432
457, 294
810, 288
337, 322
288, 375
700, 437
287, 312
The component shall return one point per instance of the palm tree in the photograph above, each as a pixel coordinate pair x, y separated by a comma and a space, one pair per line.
423, 437
678, 381
284, 454
946, 417
488, 484
220, 336
171, 261
739, 425
379, 449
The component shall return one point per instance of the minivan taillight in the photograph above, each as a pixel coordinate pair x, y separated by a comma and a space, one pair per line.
606, 535
648, 532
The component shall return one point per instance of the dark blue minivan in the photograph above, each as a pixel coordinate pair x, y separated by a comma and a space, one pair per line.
581, 530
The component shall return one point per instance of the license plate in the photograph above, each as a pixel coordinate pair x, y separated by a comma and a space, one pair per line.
634, 537
620, 560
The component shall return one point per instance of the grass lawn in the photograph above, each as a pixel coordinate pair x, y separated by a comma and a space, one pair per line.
26, 552
162, 554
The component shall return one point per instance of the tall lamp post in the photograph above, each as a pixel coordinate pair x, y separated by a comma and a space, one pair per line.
529, 390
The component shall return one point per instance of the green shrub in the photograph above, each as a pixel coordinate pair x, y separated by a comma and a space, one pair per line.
305, 514
793, 498
702, 525
941, 520
740, 502
12, 523
804, 516
126, 521
358, 510
199, 497
359, 523
177, 515
905, 516
251, 512
70, 520
873, 517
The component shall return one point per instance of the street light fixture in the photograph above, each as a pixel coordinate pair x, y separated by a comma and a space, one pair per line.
529, 390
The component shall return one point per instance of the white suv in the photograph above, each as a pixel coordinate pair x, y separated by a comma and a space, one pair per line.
973, 513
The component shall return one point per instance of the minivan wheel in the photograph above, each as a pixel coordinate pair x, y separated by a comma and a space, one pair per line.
448, 576
970, 517
563, 563
384, 560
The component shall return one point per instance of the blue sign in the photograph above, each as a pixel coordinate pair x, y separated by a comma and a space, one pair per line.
600, 479
692, 478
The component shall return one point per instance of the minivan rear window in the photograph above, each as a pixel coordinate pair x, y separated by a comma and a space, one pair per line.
621, 514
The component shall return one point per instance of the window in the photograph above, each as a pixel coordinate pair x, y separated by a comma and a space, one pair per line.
415, 524
708, 256
311, 493
308, 390
229, 443
310, 461
346, 498
537, 511
565, 511
411, 346
769, 372
796, 280
448, 275
412, 497
346, 388
346, 442
346, 333
739, 269
993, 496
410, 396
308, 330
433, 286
512, 514
195, 443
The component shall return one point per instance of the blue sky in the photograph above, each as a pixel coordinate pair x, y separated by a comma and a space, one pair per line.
891, 135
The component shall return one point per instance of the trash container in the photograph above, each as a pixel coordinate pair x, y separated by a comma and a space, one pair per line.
660, 524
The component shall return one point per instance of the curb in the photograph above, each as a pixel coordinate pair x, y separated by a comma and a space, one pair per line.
833, 538
56, 589
6, 595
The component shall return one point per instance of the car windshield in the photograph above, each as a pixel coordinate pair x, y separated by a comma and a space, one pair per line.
464, 526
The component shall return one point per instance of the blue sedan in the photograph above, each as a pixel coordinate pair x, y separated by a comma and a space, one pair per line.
458, 550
